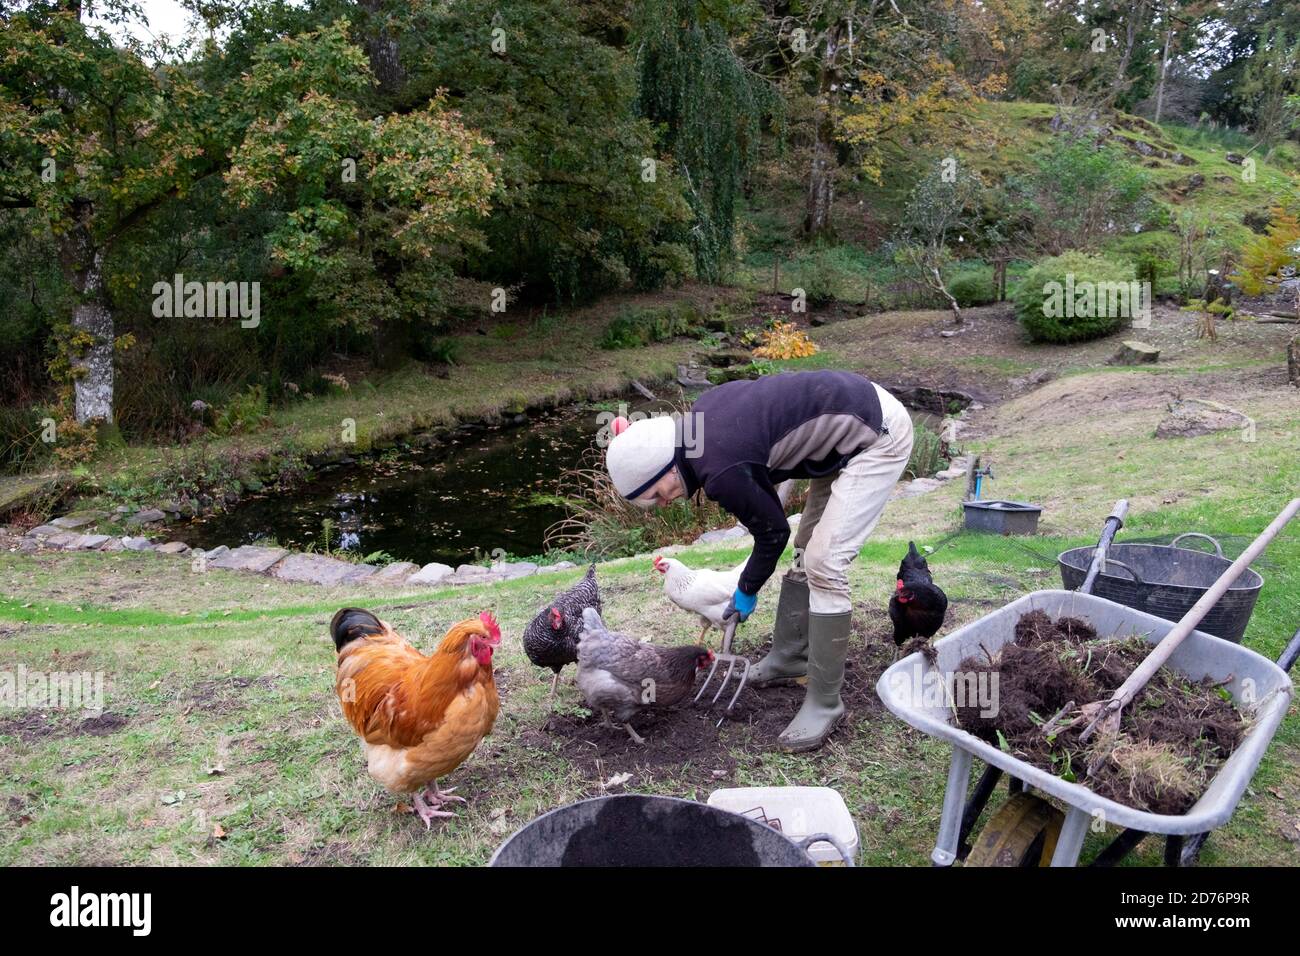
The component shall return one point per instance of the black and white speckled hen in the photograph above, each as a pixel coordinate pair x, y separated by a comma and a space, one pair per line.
622, 676
551, 638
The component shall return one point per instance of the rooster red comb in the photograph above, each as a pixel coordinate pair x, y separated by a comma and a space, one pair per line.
619, 425
489, 622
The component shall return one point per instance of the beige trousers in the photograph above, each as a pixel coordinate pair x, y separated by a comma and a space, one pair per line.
843, 509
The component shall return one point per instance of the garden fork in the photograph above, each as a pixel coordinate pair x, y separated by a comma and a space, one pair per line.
731, 660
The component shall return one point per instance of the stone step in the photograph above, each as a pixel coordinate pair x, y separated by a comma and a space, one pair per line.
320, 569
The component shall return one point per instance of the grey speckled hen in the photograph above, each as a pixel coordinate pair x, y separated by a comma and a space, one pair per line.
622, 676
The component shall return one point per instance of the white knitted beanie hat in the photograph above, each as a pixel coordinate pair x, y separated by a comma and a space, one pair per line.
640, 453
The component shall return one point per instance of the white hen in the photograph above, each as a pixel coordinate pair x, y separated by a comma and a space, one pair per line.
700, 590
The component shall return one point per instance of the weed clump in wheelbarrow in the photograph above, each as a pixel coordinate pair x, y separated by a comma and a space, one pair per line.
1172, 740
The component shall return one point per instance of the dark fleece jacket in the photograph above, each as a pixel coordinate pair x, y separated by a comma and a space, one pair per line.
740, 440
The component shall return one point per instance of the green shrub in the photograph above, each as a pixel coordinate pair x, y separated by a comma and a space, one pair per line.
635, 326
1100, 303
821, 277
246, 412
973, 287
928, 453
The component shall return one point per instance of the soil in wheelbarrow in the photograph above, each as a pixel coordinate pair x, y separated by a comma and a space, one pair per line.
1173, 737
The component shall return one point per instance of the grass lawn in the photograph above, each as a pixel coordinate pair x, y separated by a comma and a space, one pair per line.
222, 741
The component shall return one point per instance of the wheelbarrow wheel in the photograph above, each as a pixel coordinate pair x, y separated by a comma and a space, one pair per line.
1022, 833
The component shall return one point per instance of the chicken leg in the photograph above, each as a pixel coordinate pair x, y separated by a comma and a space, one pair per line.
607, 721
633, 734
429, 803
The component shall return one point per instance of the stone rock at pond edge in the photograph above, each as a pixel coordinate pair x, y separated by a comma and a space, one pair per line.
216, 552
90, 542
137, 544
434, 573
113, 544
63, 540
44, 531
71, 522
172, 547
557, 566
148, 516
320, 569
249, 557
692, 376
395, 573
474, 574
510, 570
722, 534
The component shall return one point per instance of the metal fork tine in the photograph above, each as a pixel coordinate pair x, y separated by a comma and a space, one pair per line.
740, 685
709, 677
731, 666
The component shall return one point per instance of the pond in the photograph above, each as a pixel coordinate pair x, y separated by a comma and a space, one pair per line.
460, 501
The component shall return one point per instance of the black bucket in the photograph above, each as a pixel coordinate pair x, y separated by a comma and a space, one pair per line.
637, 830
1166, 581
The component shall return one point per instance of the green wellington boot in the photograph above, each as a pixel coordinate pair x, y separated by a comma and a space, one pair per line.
787, 661
828, 643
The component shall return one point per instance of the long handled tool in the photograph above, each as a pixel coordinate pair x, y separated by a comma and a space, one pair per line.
1108, 532
732, 661
1105, 715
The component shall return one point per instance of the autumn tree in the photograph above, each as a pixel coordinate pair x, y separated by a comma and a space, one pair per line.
94, 141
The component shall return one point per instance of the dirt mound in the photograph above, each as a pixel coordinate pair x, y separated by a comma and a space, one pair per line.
1173, 737
686, 743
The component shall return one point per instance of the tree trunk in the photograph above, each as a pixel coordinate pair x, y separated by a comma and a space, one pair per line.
381, 48
1164, 72
952, 303
1132, 25
821, 175
83, 268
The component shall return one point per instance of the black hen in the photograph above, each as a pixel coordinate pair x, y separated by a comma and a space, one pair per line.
551, 638
918, 605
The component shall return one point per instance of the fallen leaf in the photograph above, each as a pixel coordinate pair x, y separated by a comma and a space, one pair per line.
216, 769
617, 780
218, 832
403, 808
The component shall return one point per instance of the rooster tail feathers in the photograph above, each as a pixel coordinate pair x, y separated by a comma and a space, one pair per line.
351, 623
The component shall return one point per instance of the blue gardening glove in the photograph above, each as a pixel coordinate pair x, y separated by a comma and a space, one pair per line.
741, 605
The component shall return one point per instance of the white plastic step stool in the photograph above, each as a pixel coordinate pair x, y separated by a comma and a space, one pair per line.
800, 811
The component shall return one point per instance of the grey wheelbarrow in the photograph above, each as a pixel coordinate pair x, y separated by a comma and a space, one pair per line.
1034, 834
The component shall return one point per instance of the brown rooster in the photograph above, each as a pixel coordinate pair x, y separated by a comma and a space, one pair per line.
418, 716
